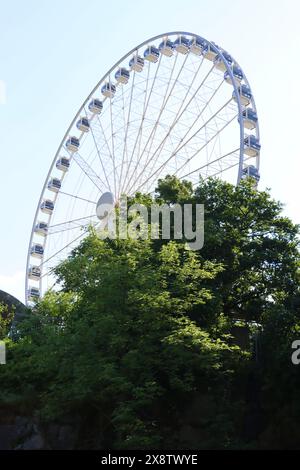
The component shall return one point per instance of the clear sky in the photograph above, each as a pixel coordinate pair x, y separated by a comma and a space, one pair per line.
53, 52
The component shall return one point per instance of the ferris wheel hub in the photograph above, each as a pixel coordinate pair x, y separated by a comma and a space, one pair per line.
105, 205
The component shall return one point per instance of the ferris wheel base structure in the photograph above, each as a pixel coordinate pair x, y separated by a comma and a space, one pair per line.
176, 104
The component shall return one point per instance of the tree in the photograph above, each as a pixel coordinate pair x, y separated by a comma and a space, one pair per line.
171, 190
257, 246
137, 344
117, 345
6, 317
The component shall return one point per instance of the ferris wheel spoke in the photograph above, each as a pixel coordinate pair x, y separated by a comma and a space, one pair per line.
223, 170
198, 115
197, 118
161, 168
68, 229
206, 144
178, 116
75, 223
61, 250
113, 145
164, 104
146, 104
211, 153
162, 108
180, 146
99, 156
230, 167
106, 144
210, 163
88, 170
128, 166
77, 197
125, 150
165, 101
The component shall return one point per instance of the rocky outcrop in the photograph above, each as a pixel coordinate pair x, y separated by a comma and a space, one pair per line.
27, 433
11, 301
195, 428
13, 304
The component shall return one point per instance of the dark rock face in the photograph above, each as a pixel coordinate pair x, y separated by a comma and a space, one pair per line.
8, 435
26, 433
19, 432
35, 442
61, 437
11, 301
13, 304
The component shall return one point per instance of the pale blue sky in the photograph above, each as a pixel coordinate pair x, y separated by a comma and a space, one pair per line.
54, 52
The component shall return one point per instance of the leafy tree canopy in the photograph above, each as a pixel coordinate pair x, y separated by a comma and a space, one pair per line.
140, 331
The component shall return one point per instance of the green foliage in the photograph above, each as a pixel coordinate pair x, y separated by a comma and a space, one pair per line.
258, 247
171, 190
140, 332
118, 342
6, 318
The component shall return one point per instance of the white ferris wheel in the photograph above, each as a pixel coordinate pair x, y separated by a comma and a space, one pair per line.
177, 104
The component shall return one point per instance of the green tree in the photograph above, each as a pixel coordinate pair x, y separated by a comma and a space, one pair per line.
6, 318
117, 345
137, 345
257, 246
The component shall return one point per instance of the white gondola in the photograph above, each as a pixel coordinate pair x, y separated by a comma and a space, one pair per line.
220, 64
251, 172
136, 63
54, 185
197, 45
251, 146
33, 293
151, 54
63, 164
250, 119
210, 53
108, 90
182, 45
122, 75
245, 95
47, 206
41, 228
95, 106
73, 144
237, 74
34, 273
83, 124
166, 47
37, 250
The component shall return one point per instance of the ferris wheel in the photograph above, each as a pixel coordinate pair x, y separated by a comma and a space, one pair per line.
177, 104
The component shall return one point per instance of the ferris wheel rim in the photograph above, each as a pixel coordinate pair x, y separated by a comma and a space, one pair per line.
217, 49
